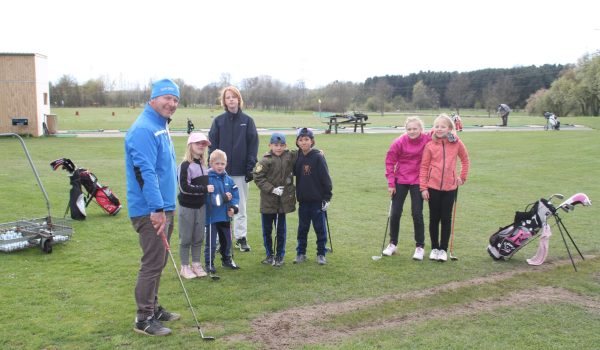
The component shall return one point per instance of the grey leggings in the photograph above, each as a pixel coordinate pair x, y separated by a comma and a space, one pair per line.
191, 233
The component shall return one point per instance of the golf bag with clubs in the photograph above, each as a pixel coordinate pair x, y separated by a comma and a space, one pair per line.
527, 224
552, 122
79, 177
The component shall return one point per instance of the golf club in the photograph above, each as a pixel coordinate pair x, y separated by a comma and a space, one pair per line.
168, 248
378, 257
328, 231
274, 252
231, 235
210, 243
452, 256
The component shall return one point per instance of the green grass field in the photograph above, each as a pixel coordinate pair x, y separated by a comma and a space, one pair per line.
81, 295
102, 118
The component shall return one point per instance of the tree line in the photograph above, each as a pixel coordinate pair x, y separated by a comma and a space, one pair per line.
562, 89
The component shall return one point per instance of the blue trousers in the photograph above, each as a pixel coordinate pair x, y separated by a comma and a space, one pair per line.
311, 212
268, 220
223, 231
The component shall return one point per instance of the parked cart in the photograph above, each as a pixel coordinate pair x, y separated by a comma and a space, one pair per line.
41, 232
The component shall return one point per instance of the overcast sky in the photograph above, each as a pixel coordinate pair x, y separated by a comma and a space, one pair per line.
317, 41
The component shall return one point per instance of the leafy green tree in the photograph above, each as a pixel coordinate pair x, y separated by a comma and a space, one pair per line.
66, 92
424, 97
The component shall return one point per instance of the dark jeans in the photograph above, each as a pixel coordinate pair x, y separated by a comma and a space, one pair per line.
505, 119
416, 206
440, 211
268, 220
221, 229
311, 212
154, 259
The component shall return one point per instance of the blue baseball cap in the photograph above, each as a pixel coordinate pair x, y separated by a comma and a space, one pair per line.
164, 87
304, 132
277, 138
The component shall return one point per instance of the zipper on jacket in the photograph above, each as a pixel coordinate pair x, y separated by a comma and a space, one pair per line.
443, 165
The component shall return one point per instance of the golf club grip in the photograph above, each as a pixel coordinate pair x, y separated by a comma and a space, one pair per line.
165, 242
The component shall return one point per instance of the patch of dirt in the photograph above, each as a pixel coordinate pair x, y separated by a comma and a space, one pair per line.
294, 327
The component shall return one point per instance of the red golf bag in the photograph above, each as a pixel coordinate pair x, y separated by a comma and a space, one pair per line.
79, 177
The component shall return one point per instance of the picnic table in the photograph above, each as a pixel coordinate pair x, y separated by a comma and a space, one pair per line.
341, 120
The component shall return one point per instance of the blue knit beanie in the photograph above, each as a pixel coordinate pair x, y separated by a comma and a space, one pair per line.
164, 87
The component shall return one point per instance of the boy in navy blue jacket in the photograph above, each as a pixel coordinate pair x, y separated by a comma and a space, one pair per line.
221, 205
313, 192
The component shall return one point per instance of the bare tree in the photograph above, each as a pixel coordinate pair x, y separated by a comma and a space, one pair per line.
458, 92
383, 93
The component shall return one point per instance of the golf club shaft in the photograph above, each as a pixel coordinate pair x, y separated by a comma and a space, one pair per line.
453, 219
387, 225
328, 231
168, 248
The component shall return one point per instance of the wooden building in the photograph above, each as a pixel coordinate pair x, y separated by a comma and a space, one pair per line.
24, 94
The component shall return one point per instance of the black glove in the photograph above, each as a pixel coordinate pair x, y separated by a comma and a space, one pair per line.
249, 177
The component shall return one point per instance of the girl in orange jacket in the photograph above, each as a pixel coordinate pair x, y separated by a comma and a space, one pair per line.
439, 181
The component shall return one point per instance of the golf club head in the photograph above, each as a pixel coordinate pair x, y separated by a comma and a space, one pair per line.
376, 257
556, 195
453, 257
208, 338
214, 277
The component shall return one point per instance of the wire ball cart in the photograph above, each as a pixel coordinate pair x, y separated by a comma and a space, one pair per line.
42, 232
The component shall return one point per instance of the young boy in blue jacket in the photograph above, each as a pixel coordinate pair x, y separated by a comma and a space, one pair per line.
221, 205
313, 191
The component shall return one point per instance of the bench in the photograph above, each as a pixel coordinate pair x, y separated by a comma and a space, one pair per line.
335, 123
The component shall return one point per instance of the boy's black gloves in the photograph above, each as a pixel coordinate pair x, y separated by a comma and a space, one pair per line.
249, 177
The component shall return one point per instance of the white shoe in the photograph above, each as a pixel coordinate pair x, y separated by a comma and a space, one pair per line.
390, 250
434, 254
419, 252
186, 272
442, 256
198, 271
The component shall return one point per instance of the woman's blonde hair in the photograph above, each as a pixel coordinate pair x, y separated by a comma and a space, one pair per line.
234, 91
189, 155
444, 118
217, 155
414, 119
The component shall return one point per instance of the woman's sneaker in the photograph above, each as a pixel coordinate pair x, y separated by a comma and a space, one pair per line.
198, 271
419, 252
434, 254
442, 256
390, 250
151, 326
186, 272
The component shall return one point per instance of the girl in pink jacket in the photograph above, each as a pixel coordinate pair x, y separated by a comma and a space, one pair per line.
402, 165
439, 181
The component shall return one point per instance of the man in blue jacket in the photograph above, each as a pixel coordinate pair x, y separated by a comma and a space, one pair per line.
234, 132
150, 169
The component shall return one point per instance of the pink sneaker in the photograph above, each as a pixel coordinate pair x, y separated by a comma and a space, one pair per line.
198, 271
186, 272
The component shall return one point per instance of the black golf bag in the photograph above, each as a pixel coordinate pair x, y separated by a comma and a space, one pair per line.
527, 224
509, 239
80, 177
